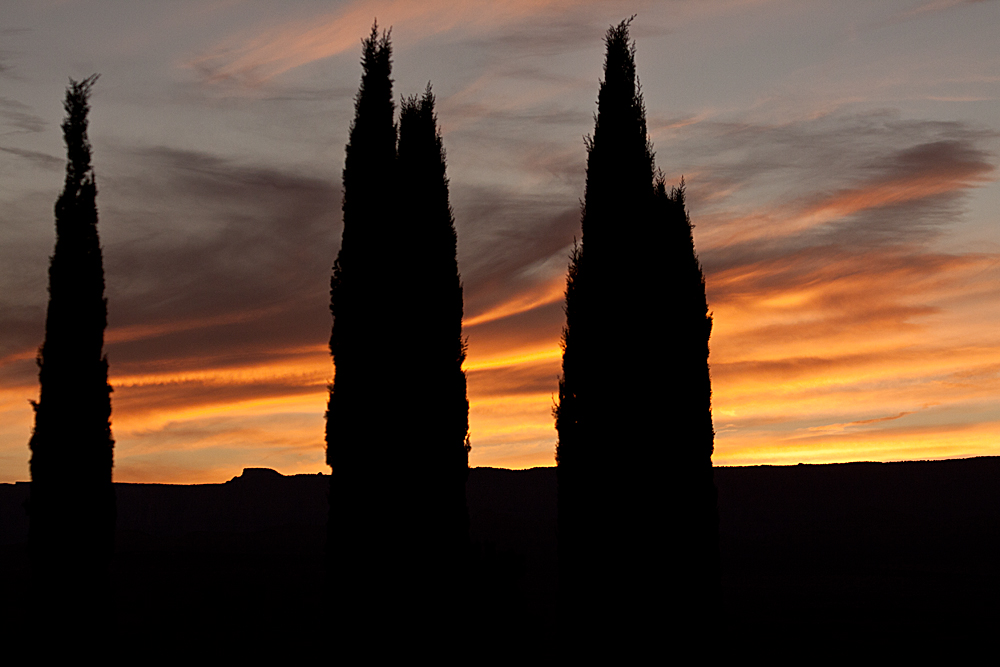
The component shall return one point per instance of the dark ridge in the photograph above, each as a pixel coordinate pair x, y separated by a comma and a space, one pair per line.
882, 552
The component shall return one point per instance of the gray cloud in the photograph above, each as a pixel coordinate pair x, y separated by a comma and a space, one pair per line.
43, 160
206, 262
308, 94
5, 67
544, 115
18, 115
507, 243
894, 181
543, 36
21, 327
540, 38
232, 262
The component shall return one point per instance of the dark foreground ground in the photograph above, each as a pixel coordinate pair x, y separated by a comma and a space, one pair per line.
809, 552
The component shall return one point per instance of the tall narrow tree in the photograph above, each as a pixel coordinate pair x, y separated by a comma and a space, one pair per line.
624, 451
72, 504
398, 414
360, 425
434, 456
695, 513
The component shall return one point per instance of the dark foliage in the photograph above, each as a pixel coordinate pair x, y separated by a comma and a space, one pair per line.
690, 438
359, 434
398, 414
636, 499
72, 504
435, 410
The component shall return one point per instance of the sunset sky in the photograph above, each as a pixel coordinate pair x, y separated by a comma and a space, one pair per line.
841, 163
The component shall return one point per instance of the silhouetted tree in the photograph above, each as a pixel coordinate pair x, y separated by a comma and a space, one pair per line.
398, 414
634, 421
72, 503
434, 455
360, 430
688, 335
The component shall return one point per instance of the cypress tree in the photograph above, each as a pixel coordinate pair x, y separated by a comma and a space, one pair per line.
694, 497
629, 450
72, 503
360, 427
397, 421
436, 409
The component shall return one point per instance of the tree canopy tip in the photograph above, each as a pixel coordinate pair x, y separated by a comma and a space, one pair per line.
620, 31
81, 89
374, 39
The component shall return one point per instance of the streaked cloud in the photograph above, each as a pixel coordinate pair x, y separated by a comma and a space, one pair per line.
14, 114
839, 327
256, 58
43, 160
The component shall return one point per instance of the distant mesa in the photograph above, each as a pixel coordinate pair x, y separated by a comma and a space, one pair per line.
265, 475
258, 475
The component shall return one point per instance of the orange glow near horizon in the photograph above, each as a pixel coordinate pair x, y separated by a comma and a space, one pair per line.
822, 371
179, 427
813, 360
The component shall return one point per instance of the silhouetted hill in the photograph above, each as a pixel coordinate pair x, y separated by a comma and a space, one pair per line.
880, 549
883, 551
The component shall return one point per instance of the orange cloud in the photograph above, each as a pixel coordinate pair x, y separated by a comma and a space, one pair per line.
893, 191
923, 173
541, 294
938, 441
879, 354
123, 334
861, 422
169, 423
257, 58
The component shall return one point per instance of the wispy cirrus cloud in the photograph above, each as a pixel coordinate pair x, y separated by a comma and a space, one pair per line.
937, 6
19, 116
43, 160
854, 176
840, 326
255, 58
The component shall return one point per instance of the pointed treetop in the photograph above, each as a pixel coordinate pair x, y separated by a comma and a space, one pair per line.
376, 52
74, 129
376, 65
375, 44
428, 98
678, 192
422, 107
619, 101
620, 55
